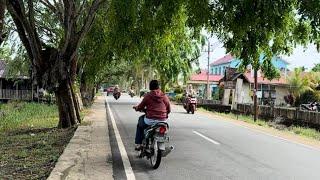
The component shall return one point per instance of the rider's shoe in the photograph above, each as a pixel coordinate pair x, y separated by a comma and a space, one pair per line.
138, 147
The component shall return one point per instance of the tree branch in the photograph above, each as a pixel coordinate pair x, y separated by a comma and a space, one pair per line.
90, 17
69, 22
27, 33
55, 8
73, 45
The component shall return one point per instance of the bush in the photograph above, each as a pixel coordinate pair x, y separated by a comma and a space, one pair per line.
179, 98
178, 90
307, 97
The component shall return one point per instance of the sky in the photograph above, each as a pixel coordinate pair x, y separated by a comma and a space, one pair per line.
301, 56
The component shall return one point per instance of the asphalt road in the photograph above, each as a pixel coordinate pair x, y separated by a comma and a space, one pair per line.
207, 148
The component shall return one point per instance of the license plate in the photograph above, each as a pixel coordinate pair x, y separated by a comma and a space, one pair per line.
162, 139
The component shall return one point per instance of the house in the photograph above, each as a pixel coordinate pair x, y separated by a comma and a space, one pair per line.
14, 88
238, 89
199, 82
218, 67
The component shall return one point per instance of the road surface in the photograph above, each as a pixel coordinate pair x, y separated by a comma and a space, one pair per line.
207, 148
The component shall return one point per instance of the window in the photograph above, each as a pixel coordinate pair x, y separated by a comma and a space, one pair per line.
216, 71
219, 70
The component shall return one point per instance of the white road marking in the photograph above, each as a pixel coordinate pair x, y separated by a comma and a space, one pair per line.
206, 138
123, 152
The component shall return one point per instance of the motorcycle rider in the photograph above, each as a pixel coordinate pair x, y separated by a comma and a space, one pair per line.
157, 107
116, 89
189, 93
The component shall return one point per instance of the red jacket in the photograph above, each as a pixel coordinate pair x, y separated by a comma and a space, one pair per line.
157, 105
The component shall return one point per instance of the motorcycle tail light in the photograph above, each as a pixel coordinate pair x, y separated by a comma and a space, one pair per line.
162, 129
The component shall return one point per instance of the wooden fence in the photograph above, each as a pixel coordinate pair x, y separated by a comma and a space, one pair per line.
213, 105
294, 115
205, 101
7, 94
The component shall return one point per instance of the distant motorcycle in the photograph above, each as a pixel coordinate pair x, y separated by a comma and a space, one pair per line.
191, 104
116, 95
153, 144
131, 93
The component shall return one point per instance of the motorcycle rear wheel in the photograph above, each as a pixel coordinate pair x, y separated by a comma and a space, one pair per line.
155, 160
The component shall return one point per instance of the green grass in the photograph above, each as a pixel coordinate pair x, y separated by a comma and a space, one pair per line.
21, 115
302, 131
306, 132
99, 93
244, 118
30, 144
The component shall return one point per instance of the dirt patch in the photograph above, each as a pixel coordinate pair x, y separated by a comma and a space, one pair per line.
31, 154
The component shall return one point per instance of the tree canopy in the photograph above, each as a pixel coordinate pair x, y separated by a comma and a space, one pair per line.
155, 39
316, 68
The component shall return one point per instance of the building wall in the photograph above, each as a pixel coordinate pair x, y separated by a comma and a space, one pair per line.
246, 98
218, 69
276, 61
281, 91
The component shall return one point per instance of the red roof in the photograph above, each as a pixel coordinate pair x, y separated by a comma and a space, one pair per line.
203, 77
225, 59
262, 80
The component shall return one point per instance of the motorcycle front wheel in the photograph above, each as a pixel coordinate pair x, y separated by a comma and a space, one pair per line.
156, 158
193, 109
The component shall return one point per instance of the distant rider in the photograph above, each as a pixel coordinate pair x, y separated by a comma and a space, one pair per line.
116, 89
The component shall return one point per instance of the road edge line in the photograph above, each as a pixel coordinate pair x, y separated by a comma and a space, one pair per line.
124, 156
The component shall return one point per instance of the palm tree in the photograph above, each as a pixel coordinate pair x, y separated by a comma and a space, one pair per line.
299, 83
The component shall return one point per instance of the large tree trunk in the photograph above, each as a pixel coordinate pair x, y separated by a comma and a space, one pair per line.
67, 109
2, 13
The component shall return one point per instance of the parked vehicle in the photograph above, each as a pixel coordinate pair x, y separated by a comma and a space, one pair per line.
190, 104
116, 95
154, 144
315, 106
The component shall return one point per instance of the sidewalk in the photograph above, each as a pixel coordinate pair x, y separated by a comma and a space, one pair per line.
88, 155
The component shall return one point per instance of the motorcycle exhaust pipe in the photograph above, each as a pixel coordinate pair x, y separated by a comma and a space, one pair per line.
167, 151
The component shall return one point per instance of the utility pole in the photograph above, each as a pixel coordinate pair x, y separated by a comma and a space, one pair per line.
255, 100
214, 45
208, 73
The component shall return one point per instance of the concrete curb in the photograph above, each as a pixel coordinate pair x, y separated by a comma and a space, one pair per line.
88, 154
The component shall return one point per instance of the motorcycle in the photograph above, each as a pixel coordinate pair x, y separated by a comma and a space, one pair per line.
154, 143
117, 95
191, 105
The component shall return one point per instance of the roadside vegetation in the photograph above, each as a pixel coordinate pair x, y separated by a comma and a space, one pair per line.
30, 143
298, 130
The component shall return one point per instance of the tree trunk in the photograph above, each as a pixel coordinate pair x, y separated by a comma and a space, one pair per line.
67, 110
2, 13
76, 103
255, 103
84, 94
